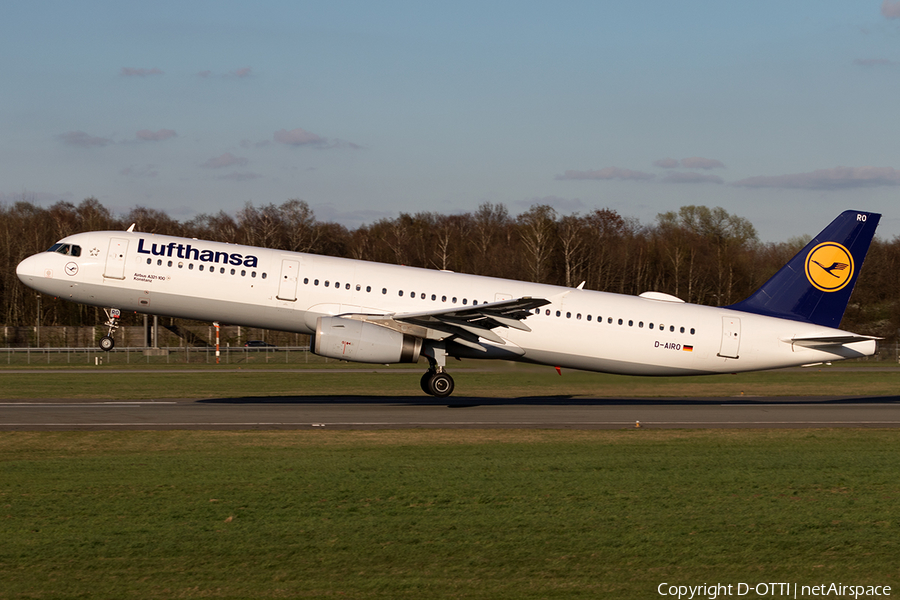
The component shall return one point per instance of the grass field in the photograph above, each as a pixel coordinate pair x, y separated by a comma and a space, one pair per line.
442, 514
509, 381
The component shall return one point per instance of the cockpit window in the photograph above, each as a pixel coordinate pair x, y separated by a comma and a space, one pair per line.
67, 249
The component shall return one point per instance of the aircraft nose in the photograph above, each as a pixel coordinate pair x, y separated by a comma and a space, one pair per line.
27, 270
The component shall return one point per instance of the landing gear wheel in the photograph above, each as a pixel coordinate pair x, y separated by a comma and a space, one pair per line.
425, 382
107, 343
441, 385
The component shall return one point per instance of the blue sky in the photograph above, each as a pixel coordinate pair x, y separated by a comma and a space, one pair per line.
782, 112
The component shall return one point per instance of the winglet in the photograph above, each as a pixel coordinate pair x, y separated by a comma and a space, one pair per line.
815, 286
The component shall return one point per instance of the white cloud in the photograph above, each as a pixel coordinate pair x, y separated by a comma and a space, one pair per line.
665, 163
874, 62
298, 137
697, 162
225, 160
155, 136
607, 173
838, 178
890, 10
83, 140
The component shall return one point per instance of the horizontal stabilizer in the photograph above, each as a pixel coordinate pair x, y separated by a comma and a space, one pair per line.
831, 340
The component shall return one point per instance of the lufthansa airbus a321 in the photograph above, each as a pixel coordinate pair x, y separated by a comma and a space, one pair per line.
377, 313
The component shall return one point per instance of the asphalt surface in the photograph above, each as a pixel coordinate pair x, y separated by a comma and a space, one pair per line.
360, 412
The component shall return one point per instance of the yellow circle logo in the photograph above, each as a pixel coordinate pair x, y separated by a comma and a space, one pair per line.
829, 266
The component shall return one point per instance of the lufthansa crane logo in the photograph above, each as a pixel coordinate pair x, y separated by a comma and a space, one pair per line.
829, 267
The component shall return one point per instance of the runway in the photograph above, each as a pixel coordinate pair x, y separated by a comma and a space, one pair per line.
359, 412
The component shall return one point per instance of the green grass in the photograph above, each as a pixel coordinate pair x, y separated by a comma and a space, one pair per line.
508, 381
442, 514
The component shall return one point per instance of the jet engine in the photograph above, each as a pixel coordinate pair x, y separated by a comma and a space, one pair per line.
359, 341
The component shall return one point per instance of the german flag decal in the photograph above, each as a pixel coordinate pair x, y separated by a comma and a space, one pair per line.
687, 348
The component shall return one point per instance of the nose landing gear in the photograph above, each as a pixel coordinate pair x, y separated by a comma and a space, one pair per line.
107, 342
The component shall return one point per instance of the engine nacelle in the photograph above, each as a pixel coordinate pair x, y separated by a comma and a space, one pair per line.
358, 341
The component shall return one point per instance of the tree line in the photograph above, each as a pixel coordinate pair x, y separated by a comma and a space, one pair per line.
699, 254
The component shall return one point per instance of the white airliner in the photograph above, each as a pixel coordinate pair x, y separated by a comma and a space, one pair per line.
377, 313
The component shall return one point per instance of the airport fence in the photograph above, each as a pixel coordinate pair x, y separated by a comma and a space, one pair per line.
185, 355
229, 355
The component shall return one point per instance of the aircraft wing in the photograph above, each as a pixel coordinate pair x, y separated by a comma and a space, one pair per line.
464, 324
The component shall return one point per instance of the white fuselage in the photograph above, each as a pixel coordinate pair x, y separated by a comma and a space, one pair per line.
275, 289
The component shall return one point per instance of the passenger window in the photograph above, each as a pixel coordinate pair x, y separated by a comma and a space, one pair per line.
200, 267
253, 274
454, 300
651, 325
465, 301
412, 294
671, 328
222, 270
589, 317
640, 323
546, 311
631, 323
190, 266
358, 287
433, 297
232, 271
443, 298
384, 290
305, 279
558, 313
243, 273
568, 315
180, 265
326, 283
400, 293
620, 321
368, 288
682, 330
347, 286
263, 275
692, 331
170, 263
609, 320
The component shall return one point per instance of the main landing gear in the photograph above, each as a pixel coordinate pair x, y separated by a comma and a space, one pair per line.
436, 381
107, 342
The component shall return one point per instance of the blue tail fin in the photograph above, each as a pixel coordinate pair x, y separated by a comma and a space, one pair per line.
815, 286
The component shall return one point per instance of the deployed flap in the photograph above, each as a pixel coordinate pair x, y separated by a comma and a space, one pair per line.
464, 324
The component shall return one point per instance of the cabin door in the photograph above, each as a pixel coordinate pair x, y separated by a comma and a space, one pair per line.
287, 285
731, 337
115, 258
